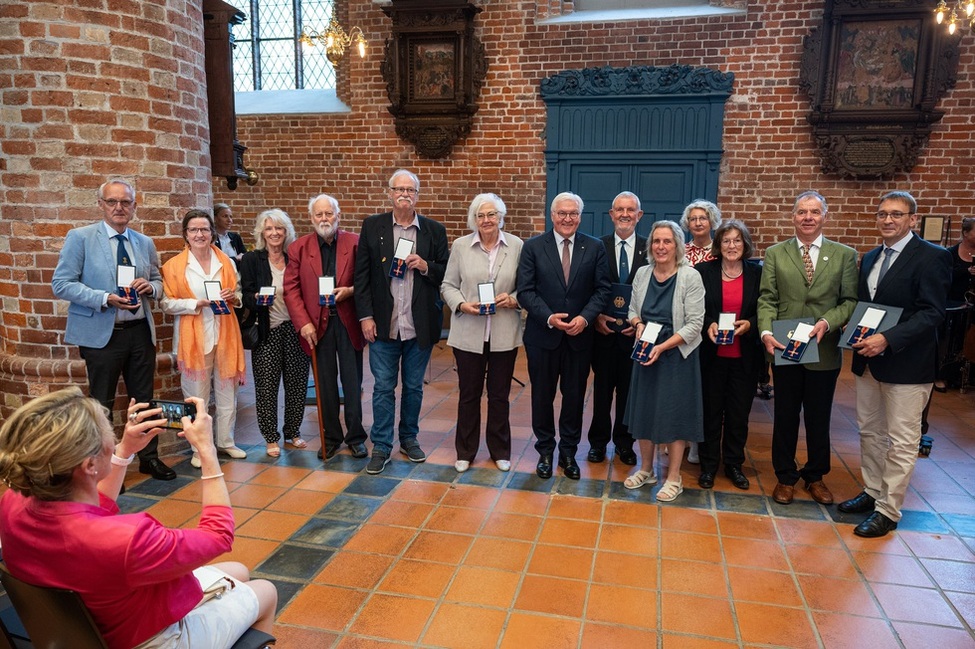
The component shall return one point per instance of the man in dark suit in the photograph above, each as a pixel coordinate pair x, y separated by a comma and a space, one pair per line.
893, 369
115, 338
400, 317
330, 332
806, 276
229, 242
563, 284
613, 341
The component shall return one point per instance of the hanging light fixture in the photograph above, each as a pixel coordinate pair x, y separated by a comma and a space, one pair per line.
336, 41
961, 13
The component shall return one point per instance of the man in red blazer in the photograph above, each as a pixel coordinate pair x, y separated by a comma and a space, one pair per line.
328, 326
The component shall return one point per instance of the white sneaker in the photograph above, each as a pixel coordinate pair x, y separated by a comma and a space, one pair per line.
195, 461
692, 455
462, 465
233, 451
503, 465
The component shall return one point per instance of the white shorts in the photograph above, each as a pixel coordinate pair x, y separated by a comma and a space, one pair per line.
216, 624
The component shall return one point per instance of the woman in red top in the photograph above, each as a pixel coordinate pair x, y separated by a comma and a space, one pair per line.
60, 527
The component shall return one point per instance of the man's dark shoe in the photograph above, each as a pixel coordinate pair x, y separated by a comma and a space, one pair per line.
157, 469
377, 462
820, 492
627, 456
358, 450
596, 455
706, 480
863, 502
544, 466
569, 467
414, 452
764, 391
329, 453
876, 525
783, 493
737, 478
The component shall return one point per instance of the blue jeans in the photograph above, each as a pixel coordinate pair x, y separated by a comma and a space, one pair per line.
384, 361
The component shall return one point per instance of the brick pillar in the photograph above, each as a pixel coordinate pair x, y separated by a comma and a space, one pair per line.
90, 91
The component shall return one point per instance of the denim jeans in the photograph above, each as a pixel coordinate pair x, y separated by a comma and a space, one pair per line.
384, 360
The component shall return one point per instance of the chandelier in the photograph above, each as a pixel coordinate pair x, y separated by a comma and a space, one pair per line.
335, 40
962, 13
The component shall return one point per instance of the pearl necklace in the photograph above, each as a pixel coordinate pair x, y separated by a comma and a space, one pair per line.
725, 273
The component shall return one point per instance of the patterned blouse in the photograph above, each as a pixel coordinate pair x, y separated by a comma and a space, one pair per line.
697, 254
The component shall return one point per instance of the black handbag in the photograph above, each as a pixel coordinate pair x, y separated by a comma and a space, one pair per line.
250, 334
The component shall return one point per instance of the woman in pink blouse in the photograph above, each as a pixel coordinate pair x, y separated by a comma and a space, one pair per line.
142, 582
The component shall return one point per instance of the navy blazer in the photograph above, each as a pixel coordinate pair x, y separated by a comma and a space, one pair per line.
542, 289
918, 282
637, 260
373, 298
235, 242
751, 349
86, 271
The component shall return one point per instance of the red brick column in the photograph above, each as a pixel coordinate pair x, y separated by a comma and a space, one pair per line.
89, 92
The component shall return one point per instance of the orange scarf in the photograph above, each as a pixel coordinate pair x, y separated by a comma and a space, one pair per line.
229, 352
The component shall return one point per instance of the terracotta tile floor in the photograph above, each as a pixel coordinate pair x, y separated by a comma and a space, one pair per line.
422, 556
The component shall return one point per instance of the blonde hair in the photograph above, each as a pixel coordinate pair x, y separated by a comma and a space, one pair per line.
45, 440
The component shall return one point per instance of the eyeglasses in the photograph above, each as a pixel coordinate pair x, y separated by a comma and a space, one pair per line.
695, 219
733, 243
491, 216
567, 216
405, 190
197, 230
882, 216
114, 202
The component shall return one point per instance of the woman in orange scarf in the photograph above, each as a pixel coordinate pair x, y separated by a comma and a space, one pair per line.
206, 333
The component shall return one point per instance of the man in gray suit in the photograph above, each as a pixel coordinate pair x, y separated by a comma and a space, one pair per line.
115, 337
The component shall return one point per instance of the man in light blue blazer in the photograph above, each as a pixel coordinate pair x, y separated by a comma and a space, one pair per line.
115, 338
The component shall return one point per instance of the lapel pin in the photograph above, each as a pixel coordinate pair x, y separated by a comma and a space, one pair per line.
825, 258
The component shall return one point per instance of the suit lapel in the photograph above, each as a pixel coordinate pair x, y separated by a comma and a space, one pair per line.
578, 252
614, 271
897, 266
549, 250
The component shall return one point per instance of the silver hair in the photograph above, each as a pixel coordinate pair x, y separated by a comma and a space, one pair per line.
567, 196
480, 200
680, 252
404, 172
115, 181
315, 199
628, 195
714, 214
810, 194
278, 217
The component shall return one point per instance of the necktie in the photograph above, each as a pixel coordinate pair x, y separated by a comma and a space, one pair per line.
624, 263
888, 254
566, 262
123, 254
807, 264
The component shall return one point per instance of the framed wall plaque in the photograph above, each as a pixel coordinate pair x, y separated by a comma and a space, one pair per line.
875, 71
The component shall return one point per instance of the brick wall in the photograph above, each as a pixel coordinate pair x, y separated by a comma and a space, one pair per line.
769, 152
89, 90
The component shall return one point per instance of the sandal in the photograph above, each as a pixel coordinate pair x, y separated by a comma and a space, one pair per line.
639, 479
273, 450
670, 491
297, 442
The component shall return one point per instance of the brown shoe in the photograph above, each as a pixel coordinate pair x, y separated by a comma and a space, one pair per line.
783, 493
820, 492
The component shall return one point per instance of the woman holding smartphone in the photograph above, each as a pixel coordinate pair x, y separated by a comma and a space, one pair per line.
201, 289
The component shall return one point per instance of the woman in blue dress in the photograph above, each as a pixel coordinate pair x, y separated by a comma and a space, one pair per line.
665, 405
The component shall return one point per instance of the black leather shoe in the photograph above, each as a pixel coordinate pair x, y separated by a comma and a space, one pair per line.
706, 480
863, 502
737, 477
157, 469
329, 453
358, 450
544, 467
596, 455
569, 467
876, 525
627, 456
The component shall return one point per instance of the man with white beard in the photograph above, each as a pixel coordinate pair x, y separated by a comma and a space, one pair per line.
318, 289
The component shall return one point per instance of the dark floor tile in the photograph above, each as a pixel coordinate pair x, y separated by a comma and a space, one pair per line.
299, 459
397, 469
927, 522
692, 498
529, 482
586, 487
741, 503
618, 492
286, 592
294, 562
161, 488
434, 473
484, 477
846, 519
372, 485
132, 504
350, 508
325, 531
798, 509
347, 463
963, 524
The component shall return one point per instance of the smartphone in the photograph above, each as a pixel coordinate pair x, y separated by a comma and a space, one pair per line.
173, 412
